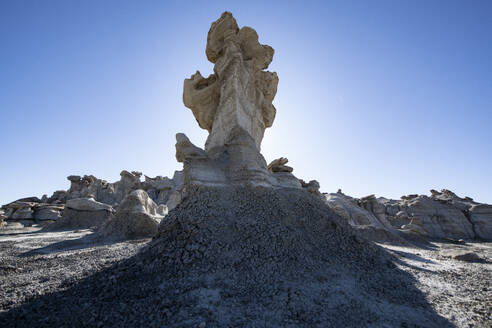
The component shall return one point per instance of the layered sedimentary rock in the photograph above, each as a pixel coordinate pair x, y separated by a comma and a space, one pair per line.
367, 223
83, 213
481, 218
235, 106
442, 215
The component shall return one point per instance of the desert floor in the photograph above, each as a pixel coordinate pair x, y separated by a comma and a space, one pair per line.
34, 263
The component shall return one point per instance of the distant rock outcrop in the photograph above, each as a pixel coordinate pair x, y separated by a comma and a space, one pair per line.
235, 106
481, 219
83, 213
443, 215
137, 217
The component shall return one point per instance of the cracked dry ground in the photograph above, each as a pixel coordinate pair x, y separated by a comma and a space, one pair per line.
35, 263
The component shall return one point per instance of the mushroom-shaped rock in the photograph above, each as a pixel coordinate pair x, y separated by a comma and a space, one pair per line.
137, 217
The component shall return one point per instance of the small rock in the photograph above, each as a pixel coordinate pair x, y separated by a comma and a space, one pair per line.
466, 256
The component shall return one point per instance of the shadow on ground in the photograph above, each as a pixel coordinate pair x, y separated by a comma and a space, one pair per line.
136, 292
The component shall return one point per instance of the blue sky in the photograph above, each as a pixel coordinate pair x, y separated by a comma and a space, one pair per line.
384, 97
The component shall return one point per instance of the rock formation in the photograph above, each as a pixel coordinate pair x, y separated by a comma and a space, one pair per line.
481, 219
235, 106
136, 217
83, 213
278, 165
366, 222
443, 215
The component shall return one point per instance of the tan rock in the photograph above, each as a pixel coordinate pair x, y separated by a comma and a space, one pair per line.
234, 104
240, 93
278, 165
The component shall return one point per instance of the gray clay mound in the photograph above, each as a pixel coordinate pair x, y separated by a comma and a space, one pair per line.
241, 257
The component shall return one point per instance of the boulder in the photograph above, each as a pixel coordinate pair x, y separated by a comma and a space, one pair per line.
25, 213
365, 222
137, 217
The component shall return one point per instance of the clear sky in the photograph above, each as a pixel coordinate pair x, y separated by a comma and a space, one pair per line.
383, 97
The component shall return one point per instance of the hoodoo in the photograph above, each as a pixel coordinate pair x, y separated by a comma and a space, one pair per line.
235, 106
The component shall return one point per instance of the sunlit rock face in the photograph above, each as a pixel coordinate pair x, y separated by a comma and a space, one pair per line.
235, 106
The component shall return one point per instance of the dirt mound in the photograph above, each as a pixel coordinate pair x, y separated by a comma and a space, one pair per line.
243, 257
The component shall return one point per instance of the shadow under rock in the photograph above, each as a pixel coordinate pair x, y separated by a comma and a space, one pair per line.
139, 291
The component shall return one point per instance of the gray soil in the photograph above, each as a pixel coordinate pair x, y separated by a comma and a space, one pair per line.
240, 258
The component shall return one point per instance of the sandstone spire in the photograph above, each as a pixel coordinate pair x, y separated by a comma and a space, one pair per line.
240, 93
234, 104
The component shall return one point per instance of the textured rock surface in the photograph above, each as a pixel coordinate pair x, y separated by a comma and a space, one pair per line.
439, 219
239, 94
278, 165
48, 213
442, 215
481, 218
137, 217
87, 204
25, 213
235, 106
83, 213
365, 222
463, 256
